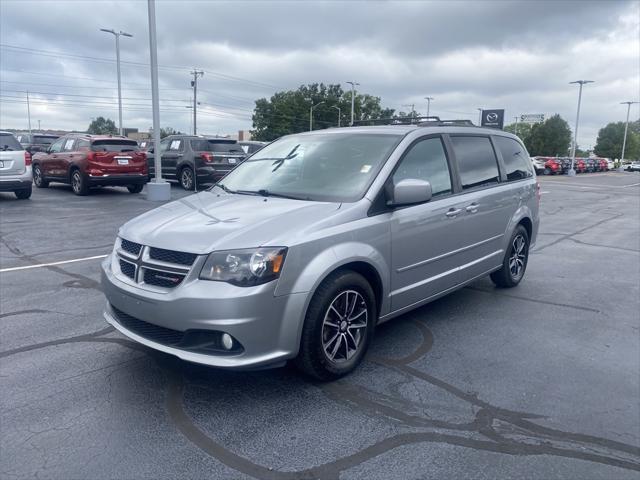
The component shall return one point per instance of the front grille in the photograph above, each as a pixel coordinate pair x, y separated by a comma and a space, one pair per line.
131, 247
155, 333
162, 279
129, 269
172, 256
199, 341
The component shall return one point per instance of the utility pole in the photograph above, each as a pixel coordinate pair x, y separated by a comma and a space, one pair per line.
353, 98
29, 113
572, 172
428, 99
39, 126
515, 129
190, 116
413, 110
311, 114
117, 35
158, 190
194, 84
337, 108
626, 128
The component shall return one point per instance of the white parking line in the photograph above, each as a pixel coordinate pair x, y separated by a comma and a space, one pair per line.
52, 264
632, 185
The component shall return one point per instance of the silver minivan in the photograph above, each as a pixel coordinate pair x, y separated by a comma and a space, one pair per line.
15, 167
304, 248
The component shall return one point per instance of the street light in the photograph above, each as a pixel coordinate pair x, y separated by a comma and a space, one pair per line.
626, 128
311, 114
117, 35
572, 171
428, 99
337, 108
479, 116
353, 97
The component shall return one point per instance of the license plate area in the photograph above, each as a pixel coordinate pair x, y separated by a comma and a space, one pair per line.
123, 160
231, 160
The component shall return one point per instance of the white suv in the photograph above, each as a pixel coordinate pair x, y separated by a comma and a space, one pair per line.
15, 167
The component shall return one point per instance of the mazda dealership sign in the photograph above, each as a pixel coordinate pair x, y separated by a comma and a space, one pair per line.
493, 118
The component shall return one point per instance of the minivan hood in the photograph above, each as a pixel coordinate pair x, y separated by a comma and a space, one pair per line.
207, 221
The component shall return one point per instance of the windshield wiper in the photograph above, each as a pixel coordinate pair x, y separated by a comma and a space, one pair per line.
224, 187
266, 193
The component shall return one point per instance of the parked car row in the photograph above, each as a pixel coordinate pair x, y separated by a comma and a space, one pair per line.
562, 165
85, 161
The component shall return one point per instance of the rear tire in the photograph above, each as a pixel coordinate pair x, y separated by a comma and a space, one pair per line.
79, 183
38, 179
338, 326
515, 260
187, 178
546, 171
135, 188
23, 194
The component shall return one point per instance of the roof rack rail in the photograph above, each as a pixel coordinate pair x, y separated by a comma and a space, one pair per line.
431, 121
459, 123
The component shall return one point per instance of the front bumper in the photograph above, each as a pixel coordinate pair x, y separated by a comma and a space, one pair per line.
22, 181
267, 326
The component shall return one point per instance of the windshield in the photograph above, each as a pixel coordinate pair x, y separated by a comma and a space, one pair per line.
325, 167
114, 146
9, 142
216, 146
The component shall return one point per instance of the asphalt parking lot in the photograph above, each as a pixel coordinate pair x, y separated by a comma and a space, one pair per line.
536, 382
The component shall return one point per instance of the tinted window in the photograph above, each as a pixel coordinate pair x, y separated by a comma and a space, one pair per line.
83, 144
115, 145
476, 161
44, 140
57, 146
68, 144
213, 146
326, 166
426, 161
516, 160
9, 142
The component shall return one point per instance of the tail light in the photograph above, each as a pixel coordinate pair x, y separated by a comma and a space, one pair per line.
27, 158
91, 156
207, 157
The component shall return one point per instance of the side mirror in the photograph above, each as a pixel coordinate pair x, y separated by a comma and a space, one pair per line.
409, 192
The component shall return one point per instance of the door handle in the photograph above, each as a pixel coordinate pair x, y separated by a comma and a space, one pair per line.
453, 212
473, 208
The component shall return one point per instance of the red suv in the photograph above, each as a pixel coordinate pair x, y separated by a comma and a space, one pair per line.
552, 166
85, 161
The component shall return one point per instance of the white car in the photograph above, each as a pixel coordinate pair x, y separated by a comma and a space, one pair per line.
633, 167
15, 167
538, 164
610, 164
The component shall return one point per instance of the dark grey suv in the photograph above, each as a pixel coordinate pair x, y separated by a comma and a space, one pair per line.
193, 161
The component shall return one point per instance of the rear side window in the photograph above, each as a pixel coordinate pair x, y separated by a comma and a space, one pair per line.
9, 142
115, 145
426, 161
516, 161
477, 162
213, 146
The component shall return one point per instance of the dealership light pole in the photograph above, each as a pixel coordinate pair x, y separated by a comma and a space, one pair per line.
626, 128
515, 128
29, 114
157, 190
428, 99
337, 108
479, 116
353, 98
311, 114
572, 171
117, 35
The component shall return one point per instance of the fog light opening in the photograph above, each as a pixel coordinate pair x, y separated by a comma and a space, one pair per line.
227, 341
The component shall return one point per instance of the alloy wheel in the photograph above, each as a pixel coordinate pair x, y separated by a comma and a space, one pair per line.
344, 326
518, 256
37, 176
76, 181
186, 178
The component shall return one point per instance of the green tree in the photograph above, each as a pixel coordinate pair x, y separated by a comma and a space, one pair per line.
521, 129
288, 111
165, 132
609, 143
102, 126
549, 138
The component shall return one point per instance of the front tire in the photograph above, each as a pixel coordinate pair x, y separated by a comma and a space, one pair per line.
23, 194
338, 327
515, 260
187, 178
135, 188
38, 179
79, 183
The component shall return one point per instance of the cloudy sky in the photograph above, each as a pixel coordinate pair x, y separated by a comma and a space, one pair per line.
519, 56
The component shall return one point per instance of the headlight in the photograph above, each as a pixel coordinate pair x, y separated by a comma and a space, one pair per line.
244, 268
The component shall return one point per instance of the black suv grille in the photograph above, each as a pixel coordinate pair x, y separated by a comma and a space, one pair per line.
129, 269
171, 256
200, 341
131, 247
162, 279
